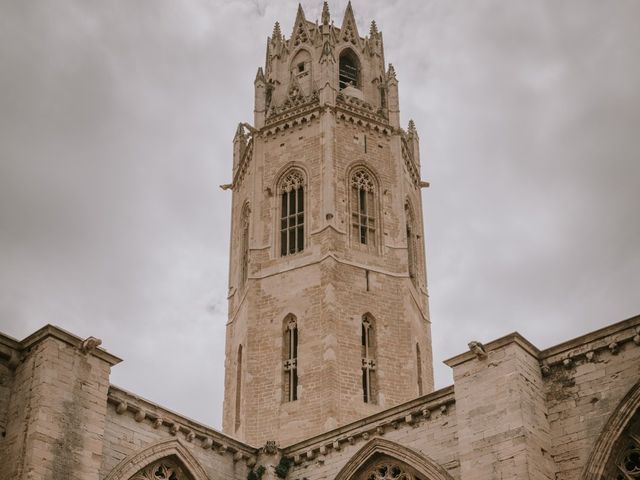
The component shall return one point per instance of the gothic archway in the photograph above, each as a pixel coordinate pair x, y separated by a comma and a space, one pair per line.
165, 460
382, 459
617, 450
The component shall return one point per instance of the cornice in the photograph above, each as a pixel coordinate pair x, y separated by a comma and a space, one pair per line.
421, 409
191, 431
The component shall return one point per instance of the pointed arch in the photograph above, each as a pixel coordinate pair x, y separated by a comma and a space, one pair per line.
349, 69
245, 217
413, 252
382, 448
291, 192
364, 208
172, 449
618, 422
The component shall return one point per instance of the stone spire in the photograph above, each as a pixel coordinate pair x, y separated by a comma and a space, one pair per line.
277, 34
412, 128
373, 30
391, 73
326, 17
349, 29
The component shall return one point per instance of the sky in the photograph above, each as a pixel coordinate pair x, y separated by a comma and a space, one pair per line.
116, 127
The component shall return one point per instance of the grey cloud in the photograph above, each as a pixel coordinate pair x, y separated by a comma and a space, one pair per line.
116, 121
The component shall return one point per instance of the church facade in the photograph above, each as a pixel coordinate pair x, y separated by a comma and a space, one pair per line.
328, 369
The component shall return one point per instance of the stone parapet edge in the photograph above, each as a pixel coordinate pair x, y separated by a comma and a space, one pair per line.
124, 402
410, 413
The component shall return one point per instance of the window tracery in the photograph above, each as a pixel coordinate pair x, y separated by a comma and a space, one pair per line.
162, 470
389, 470
625, 460
363, 213
368, 360
290, 364
245, 245
292, 213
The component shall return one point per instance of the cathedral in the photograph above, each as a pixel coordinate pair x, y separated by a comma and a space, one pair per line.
328, 361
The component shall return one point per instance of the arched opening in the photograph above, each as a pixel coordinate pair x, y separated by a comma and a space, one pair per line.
381, 459
419, 369
291, 189
349, 70
616, 454
244, 254
411, 243
363, 200
164, 460
238, 387
368, 351
290, 361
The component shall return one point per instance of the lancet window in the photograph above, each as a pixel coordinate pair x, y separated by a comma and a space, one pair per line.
363, 211
349, 70
411, 243
368, 360
419, 368
238, 387
290, 364
245, 244
292, 213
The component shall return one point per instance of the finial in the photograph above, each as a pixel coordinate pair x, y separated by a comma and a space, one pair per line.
373, 30
391, 73
326, 18
412, 127
259, 76
277, 34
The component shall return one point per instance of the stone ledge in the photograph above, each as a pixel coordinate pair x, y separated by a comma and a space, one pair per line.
141, 409
51, 331
374, 425
514, 337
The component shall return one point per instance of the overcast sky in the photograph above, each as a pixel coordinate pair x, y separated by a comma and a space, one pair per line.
116, 121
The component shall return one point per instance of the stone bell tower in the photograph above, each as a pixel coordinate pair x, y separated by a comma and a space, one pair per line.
328, 311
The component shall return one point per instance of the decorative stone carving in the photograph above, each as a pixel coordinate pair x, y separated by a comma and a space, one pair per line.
293, 181
89, 344
478, 349
614, 348
270, 448
121, 408
361, 180
388, 471
162, 470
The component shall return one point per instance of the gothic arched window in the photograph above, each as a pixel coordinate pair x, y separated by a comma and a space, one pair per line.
238, 387
368, 360
624, 463
244, 255
411, 243
363, 211
419, 368
292, 213
349, 69
290, 364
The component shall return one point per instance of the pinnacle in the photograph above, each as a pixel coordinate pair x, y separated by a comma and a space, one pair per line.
277, 34
391, 73
373, 30
259, 76
326, 17
412, 126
